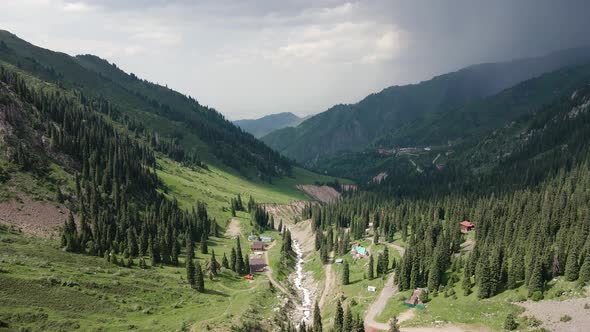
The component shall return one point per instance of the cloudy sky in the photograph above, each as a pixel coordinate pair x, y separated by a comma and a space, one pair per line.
248, 58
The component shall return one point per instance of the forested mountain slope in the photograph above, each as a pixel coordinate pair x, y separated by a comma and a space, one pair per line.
522, 153
353, 127
142, 215
449, 138
168, 118
266, 124
524, 189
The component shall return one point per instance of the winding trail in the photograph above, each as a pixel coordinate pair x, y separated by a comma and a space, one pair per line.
377, 307
388, 291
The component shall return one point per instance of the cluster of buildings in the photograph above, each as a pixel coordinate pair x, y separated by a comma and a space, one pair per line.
258, 246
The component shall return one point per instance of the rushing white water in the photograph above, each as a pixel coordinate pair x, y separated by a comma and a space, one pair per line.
306, 295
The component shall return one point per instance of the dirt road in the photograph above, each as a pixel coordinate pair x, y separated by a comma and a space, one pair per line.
329, 282
388, 291
377, 307
268, 272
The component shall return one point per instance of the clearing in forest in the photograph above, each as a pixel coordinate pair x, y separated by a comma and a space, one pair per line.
325, 194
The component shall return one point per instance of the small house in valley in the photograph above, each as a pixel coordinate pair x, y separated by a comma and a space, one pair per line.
257, 265
372, 289
266, 239
414, 301
252, 237
257, 246
358, 251
339, 261
467, 226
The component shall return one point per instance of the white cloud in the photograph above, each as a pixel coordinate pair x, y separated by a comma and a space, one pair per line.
158, 37
341, 43
249, 58
78, 7
386, 48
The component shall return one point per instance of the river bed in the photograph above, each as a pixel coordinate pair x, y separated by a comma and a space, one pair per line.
300, 281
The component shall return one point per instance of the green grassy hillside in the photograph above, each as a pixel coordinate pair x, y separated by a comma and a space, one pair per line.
148, 109
73, 139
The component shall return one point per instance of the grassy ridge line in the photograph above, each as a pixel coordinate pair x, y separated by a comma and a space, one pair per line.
217, 186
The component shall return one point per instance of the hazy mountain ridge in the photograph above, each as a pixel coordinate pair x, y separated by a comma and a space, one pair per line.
266, 124
353, 127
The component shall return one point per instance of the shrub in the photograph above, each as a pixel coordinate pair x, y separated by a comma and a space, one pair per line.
565, 318
586, 306
510, 323
537, 296
533, 322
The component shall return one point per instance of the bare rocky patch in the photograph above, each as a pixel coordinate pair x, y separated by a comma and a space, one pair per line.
233, 228
39, 218
325, 194
550, 313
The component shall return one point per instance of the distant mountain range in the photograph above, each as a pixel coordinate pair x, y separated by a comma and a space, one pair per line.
523, 131
438, 111
266, 124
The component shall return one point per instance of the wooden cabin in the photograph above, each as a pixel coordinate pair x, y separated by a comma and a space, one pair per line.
467, 226
257, 265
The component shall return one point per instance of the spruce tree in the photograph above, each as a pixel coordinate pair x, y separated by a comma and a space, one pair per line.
132, 242
370, 268
190, 265
536, 279
323, 254
585, 269
239, 258
204, 249
190, 271
360, 324
246, 265
199, 279
317, 318
233, 260
225, 262
571, 266
347, 326
466, 283
339, 318
345, 273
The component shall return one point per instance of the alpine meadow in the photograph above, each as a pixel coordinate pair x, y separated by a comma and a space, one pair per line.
342, 166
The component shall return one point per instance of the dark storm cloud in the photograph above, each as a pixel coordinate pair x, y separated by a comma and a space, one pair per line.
253, 57
448, 35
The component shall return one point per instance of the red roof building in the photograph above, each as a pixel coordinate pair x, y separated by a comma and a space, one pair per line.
467, 226
257, 246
